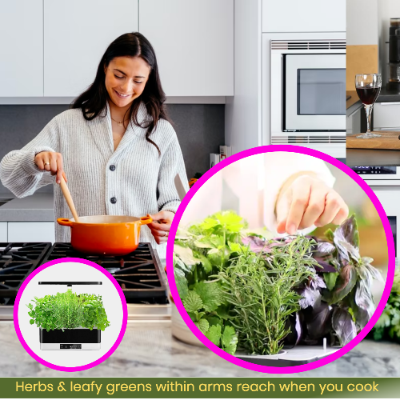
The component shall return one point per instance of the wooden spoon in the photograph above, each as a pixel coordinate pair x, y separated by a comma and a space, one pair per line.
68, 198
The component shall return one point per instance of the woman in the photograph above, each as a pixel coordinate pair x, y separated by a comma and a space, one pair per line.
119, 151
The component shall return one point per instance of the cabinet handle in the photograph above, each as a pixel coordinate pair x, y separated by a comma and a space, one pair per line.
395, 103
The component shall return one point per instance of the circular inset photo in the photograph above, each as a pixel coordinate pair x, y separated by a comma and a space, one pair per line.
280, 259
70, 315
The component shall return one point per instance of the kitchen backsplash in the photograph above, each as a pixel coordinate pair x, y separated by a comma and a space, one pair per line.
200, 129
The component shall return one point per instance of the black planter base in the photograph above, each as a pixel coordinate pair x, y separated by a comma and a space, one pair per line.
70, 339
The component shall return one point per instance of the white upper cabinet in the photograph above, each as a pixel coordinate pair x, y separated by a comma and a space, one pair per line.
21, 44
193, 41
76, 35
304, 15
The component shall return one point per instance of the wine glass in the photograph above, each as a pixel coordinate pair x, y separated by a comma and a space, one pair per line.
368, 87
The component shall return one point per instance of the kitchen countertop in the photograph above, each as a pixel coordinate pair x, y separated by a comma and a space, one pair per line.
148, 350
35, 208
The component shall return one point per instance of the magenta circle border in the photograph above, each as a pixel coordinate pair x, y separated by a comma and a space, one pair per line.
270, 149
82, 367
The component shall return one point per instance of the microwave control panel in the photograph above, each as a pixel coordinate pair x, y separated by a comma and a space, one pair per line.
370, 170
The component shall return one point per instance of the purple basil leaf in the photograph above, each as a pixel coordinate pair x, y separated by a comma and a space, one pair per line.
256, 244
346, 237
311, 292
343, 325
348, 231
374, 272
324, 266
309, 297
295, 331
323, 249
298, 328
364, 306
318, 321
345, 283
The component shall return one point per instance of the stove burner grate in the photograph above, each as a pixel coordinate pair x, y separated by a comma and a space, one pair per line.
139, 273
17, 261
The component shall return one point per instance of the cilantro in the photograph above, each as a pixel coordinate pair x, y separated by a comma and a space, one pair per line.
214, 334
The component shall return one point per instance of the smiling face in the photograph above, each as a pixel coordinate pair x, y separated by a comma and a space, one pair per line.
126, 79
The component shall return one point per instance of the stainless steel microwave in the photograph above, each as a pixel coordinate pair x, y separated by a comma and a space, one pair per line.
308, 92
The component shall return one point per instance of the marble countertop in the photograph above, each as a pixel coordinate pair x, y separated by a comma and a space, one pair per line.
149, 350
37, 208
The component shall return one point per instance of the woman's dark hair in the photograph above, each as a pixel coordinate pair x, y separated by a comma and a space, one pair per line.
94, 99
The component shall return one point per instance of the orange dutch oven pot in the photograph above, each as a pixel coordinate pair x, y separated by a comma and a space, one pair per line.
105, 234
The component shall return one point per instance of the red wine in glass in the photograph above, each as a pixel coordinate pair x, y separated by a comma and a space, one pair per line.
368, 87
368, 95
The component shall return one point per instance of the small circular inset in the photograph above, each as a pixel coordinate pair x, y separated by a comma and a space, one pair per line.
70, 314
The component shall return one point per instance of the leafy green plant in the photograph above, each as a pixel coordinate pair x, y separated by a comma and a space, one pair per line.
388, 325
263, 294
67, 311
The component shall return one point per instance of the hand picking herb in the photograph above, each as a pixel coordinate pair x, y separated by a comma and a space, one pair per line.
67, 311
261, 295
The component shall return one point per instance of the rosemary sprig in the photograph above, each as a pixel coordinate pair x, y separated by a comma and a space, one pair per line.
262, 293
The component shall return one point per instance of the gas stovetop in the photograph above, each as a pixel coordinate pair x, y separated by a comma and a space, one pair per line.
17, 261
139, 274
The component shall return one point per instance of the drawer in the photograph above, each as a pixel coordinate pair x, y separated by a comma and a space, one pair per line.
31, 232
386, 115
3, 231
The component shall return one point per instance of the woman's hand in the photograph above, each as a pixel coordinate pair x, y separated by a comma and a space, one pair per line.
51, 161
305, 200
161, 225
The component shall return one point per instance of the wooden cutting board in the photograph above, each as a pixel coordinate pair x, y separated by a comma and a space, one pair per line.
388, 141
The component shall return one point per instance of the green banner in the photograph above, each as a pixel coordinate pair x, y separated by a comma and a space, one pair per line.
200, 387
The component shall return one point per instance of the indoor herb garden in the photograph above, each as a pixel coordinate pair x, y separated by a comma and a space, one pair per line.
69, 320
257, 296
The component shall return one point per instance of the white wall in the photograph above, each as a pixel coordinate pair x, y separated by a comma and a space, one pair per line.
362, 22
386, 9
243, 111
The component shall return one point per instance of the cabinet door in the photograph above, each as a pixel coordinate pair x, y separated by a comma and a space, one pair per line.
353, 122
31, 232
193, 41
76, 35
21, 44
3, 231
386, 115
304, 16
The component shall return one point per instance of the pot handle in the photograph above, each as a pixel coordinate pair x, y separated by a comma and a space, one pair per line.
64, 221
146, 220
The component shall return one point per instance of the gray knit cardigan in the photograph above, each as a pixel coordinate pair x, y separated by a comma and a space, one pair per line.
142, 181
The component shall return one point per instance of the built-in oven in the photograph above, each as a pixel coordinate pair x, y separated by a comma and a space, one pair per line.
379, 175
308, 94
